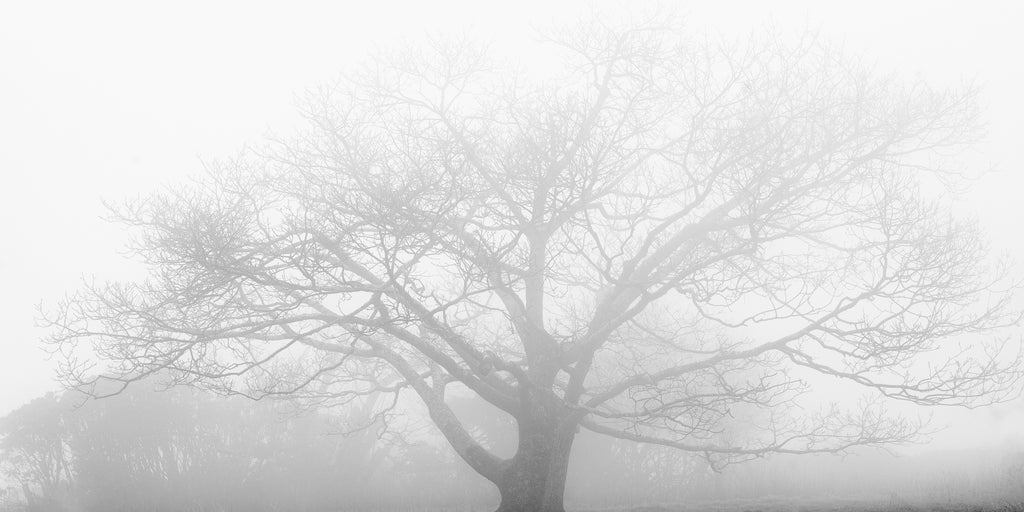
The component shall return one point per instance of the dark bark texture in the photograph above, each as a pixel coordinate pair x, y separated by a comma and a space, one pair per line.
534, 479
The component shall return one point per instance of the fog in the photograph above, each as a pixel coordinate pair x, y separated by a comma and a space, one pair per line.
156, 449
525, 256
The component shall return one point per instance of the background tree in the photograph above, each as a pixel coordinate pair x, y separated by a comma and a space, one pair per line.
181, 449
665, 241
35, 453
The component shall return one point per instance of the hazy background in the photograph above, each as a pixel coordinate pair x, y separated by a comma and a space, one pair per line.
103, 100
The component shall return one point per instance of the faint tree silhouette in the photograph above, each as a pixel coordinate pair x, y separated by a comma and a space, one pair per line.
663, 244
155, 449
35, 454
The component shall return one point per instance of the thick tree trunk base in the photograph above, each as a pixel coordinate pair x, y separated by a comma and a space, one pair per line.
534, 480
525, 497
526, 507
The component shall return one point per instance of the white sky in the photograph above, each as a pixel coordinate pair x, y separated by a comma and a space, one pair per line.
108, 99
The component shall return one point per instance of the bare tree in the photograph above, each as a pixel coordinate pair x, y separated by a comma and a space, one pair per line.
665, 243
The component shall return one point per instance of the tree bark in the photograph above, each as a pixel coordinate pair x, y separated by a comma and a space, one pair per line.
534, 480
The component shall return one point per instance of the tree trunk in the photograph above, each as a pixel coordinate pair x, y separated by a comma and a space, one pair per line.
534, 480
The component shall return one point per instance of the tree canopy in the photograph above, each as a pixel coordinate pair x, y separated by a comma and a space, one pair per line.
662, 242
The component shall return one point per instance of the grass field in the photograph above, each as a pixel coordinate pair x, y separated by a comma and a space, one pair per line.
826, 505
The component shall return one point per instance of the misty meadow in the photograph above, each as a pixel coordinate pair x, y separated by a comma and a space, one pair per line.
645, 265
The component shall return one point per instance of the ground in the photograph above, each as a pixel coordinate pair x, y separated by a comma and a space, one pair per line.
829, 505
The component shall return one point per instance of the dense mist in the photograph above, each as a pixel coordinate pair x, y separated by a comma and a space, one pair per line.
154, 448
526, 258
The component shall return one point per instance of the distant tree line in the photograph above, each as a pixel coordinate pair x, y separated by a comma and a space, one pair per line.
186, 450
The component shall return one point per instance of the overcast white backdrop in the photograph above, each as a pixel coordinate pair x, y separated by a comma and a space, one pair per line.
105, 100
